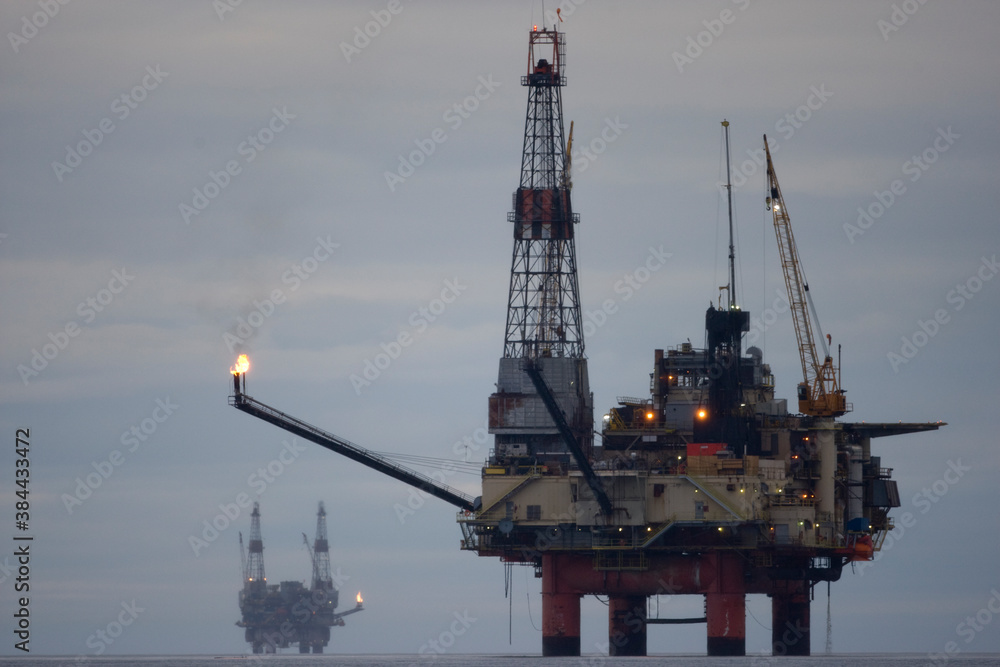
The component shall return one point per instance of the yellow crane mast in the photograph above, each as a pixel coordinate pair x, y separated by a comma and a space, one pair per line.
819, 393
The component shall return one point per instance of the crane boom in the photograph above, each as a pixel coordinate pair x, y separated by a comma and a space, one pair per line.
243, 559
819, 393
312, 559
241, 401
567, 176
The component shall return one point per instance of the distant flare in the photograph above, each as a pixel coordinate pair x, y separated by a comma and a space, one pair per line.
359, 598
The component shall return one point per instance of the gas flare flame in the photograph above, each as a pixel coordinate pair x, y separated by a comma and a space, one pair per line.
359, 598
242, 365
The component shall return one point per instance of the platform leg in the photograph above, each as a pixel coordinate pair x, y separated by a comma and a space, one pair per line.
726, 615
560, 614
627, 625
790, 620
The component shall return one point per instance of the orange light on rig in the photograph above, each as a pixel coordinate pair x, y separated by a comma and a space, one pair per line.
242, 365
702, 414
359, 598
650, 415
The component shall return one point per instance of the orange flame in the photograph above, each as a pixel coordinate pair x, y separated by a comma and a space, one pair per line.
359, 598
242, 365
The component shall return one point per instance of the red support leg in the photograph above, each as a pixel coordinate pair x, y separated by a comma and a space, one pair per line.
560, 614
627, 625
725, 608
726, 623
790, 619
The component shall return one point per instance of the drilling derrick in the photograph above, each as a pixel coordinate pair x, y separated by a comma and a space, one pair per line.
543, 308
255, 563
544, 334
253, 597
321, 579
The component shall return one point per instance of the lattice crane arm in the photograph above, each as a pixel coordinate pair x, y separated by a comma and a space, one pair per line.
312, 559
243, 559
819, 393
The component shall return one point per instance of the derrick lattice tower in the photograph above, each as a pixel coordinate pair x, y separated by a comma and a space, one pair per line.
544, 332
254, 579
321, 579
543, 309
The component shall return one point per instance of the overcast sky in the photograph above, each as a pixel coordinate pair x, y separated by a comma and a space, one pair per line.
176, 175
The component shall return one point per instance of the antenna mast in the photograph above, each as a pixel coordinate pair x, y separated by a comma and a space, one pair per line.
732, 247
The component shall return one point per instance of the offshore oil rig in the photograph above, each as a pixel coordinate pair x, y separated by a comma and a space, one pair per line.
709, 486
277, 616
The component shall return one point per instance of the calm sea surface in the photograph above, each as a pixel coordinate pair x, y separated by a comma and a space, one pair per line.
844, 660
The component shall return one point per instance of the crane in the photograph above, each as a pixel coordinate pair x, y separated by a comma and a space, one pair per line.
243, 559
312, 559
567, 175
819, 393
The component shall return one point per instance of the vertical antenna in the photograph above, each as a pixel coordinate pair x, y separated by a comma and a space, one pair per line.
732, 248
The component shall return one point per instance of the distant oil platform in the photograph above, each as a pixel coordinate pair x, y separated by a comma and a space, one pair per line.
277, 616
